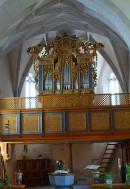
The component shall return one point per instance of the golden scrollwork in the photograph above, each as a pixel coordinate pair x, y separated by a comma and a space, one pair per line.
57, 76
36, 75
84, 67
94, 74
75, 76
47, 70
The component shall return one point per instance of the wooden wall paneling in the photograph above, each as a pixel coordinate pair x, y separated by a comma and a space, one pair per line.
100, 121
13, 123
77, 121
87, 124
53, 122
122, 119
31, 123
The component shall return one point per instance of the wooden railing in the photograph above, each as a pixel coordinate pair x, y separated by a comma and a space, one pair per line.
65, 101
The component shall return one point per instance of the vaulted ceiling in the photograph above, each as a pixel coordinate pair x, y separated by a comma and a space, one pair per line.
28, 22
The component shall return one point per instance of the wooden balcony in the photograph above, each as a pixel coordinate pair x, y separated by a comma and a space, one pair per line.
67, 101
70, 117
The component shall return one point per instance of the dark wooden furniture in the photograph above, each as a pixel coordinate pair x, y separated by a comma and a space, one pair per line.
35, 171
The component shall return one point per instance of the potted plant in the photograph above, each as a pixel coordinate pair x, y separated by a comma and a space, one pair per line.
5, 183
127, 173
108, 178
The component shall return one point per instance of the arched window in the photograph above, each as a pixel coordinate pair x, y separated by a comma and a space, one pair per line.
30, 86
113, 84
114, 88
30, 91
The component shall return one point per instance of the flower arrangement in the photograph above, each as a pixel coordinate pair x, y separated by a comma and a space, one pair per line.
60, 164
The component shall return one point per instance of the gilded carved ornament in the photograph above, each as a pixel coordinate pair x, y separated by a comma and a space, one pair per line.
88, 47
47, 70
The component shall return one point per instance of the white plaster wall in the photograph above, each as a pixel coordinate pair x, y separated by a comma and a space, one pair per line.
13, 63
62, 152
5, 79
33, 151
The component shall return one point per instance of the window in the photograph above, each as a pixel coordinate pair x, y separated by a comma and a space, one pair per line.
30, 86
30, 91
114, 88
113, 84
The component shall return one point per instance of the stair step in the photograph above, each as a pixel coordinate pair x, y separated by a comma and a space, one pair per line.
106, 158
112, 146
112, 143
110, 149
106, 153
102, 166
105, 164
109, 152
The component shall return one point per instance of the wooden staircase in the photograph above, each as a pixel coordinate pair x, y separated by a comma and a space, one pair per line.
104, 161
108, 157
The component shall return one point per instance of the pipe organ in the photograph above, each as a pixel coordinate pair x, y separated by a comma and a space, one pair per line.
65, 66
